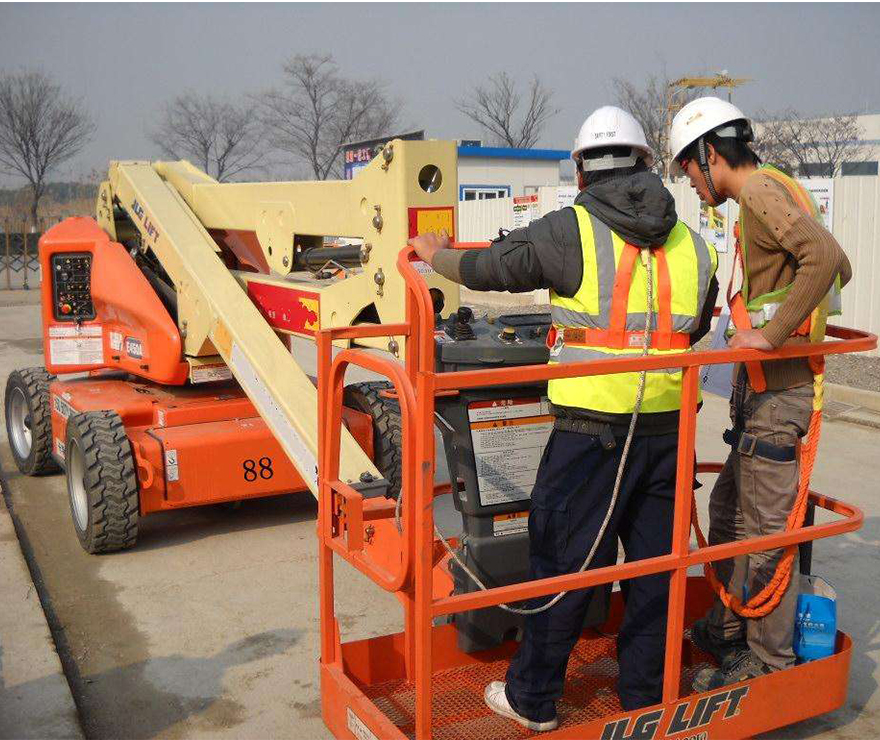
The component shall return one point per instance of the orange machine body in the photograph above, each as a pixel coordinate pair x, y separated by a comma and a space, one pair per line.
192, 445
99, 311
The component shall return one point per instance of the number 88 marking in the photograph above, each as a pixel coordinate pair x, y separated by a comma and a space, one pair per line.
250, 469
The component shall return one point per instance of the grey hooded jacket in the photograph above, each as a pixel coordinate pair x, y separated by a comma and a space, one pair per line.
547, 254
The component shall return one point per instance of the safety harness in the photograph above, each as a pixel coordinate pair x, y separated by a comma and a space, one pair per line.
755, 314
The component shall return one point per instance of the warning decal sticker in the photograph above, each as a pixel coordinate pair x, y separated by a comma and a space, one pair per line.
62, 408
76, 345
503, 524
509, 436
209, 373
172, 470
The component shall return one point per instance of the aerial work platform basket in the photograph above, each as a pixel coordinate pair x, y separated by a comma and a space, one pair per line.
418, 683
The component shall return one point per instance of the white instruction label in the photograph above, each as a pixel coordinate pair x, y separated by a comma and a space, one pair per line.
357, 727
116, 341
503, 524
209, 373
294, 445
172, 472
509, 436
76, 345
74, 331
62, 408
59, 448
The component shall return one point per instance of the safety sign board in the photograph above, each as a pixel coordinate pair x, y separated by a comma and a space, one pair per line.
76, 345
508, 436
525, 210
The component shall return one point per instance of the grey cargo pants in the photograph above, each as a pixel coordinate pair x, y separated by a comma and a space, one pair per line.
753, 496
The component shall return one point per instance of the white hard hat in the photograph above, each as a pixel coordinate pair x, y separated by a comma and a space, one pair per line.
699, 117
612, 126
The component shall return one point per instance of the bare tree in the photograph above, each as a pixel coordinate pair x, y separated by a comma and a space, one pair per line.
793, 142
40, 129
653, 105
495, 104
318, 111
224, 138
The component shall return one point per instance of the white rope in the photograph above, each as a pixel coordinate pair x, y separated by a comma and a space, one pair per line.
640, 395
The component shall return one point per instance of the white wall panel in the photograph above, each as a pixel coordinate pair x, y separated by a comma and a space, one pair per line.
856, 226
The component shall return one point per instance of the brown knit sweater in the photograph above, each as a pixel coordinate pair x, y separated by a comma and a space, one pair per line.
785, 245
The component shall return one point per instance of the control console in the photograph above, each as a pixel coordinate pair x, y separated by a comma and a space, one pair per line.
72, 287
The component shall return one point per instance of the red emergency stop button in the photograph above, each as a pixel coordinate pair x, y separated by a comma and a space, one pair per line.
66, 308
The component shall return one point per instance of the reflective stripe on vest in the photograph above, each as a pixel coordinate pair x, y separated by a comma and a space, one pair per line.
682, 269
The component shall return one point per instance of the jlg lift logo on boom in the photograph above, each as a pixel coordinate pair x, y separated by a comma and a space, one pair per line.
687, 716
149, 227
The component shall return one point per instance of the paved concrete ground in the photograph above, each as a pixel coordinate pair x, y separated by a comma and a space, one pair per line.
209, 627
35, 700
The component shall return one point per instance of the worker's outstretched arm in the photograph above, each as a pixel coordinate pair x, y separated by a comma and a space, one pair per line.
544, 254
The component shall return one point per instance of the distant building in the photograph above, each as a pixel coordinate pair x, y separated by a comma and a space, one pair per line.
486, 172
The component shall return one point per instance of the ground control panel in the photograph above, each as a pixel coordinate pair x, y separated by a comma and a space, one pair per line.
494, 440
71, 287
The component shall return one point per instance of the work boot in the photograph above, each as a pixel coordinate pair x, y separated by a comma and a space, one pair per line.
719, 649
496, 699
738, 667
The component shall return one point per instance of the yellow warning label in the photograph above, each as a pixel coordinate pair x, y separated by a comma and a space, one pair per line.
432, 219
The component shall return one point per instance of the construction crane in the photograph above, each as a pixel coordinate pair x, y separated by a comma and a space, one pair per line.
721, 79
676, 87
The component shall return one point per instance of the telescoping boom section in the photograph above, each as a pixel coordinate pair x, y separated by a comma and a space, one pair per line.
249, 263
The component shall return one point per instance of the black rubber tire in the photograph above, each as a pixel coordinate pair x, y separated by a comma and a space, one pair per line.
387, 431
32, 383
109, 481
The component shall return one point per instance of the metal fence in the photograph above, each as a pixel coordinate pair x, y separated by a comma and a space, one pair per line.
856, 225
19, 260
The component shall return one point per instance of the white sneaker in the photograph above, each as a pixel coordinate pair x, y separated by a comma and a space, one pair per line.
496, 700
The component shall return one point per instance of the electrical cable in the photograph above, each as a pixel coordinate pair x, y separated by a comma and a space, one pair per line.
640, 394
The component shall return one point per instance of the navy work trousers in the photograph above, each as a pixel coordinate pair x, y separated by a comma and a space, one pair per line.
571, 497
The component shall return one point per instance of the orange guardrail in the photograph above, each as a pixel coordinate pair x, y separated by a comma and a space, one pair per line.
416, 386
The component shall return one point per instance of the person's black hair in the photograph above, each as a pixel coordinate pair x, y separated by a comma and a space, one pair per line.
736, 152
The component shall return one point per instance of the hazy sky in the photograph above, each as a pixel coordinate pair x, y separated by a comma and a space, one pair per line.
124, 60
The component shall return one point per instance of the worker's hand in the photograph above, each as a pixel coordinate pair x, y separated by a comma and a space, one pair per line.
427, 245
749, 339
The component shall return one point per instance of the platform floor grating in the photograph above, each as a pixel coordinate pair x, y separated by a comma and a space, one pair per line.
460, 714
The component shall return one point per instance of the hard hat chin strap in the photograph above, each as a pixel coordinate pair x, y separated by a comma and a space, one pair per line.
704, 168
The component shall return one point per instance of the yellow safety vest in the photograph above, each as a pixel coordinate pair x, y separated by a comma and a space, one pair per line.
606, 317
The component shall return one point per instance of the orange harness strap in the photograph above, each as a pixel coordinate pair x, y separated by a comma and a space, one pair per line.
585, 337
664, 302
739, 314
764, 602
617, 335
620, 295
